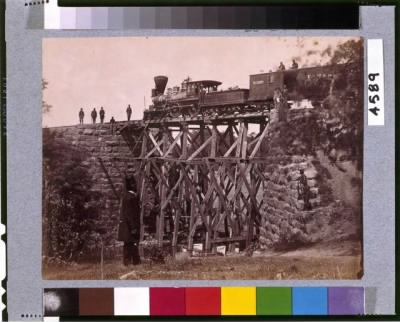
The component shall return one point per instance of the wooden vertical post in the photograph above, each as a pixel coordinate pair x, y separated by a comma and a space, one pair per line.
219, 207
143, 196
176, 224
202, 127
252, 211
184, 189
200, 177
262, 127
163, 189
203, 184
184, 141
208, 237
237, 155
143, 175
240, 139
213, 141
244, 140
207, 212
230, 135
243, 166
192, 211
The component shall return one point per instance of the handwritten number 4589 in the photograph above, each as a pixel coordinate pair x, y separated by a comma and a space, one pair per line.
373, 98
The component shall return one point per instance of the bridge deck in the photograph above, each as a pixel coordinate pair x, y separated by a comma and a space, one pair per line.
256, 118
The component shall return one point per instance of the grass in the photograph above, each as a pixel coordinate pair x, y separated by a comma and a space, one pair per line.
216, 268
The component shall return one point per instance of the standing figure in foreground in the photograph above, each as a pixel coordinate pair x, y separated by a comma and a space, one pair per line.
129, 112
303, 190
94, 115
102, 115
81, 116
129, 223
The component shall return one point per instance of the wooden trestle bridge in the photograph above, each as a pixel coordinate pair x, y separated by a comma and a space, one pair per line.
206, 172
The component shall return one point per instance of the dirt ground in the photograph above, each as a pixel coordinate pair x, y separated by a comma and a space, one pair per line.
341, 260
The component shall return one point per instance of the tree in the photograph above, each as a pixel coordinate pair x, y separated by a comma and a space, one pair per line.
350, 51
345, 106
70, 204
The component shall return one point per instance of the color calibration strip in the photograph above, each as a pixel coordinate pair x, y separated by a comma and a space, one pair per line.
52, 16
201, 301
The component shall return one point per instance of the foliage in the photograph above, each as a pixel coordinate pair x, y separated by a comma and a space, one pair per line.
69, 203
350, 51
340, 121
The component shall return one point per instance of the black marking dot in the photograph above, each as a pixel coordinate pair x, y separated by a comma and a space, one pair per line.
22, 315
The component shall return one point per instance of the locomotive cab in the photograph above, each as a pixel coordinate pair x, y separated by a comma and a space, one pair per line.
197, 88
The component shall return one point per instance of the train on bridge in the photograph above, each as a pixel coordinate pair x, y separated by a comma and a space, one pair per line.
204, 98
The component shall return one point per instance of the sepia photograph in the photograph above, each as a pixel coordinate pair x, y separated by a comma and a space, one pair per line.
202, 158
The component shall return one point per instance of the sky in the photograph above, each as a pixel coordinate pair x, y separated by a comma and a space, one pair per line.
116, 71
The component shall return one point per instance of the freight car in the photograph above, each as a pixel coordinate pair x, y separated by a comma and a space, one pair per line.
312, 83
203, 98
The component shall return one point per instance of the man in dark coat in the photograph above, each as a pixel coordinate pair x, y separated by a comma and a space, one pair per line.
94, 115
81, 116
102, 115
129, 112
129, 223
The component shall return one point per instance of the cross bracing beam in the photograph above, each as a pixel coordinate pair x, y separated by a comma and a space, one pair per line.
207, 176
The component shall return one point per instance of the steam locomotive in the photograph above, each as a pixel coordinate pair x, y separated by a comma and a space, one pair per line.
203, 97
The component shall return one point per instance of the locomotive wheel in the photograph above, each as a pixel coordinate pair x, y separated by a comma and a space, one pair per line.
194, 110
175, 113
207, 112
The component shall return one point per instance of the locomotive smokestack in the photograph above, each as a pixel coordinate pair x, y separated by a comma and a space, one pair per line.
161, 83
